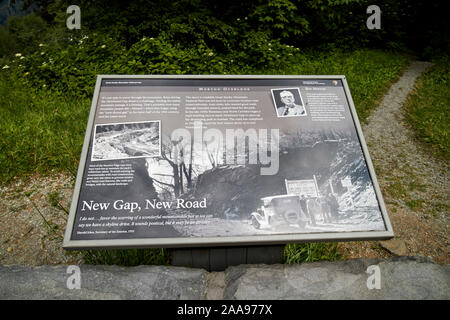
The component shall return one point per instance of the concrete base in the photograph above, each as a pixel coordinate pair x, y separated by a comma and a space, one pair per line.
399, 278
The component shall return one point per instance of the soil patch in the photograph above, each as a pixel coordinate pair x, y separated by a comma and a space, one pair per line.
32, 224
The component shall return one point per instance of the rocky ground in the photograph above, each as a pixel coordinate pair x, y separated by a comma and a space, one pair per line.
415, 187
33, 219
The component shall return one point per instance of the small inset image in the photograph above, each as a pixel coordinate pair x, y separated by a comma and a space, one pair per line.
126, 140
288, 102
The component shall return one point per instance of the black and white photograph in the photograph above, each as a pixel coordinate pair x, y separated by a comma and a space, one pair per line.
288, 102
127, 140
322, 185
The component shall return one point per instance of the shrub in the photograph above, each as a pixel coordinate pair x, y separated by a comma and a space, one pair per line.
27, 31
223, 26
72, 68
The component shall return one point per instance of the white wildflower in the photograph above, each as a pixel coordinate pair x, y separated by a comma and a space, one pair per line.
210, 54
18, 54
104, 46
6, 67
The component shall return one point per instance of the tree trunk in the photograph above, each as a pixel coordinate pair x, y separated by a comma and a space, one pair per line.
181, 178
176, 181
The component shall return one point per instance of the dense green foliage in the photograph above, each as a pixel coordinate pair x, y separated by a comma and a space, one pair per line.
232, 26
24, 31
428, 108
225, 25
7, 43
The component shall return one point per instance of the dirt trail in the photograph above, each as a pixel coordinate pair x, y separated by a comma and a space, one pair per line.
415, 185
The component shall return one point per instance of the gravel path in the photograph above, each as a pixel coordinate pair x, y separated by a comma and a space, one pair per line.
415, 187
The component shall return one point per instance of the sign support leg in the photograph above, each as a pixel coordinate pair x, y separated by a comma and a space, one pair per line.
220, 258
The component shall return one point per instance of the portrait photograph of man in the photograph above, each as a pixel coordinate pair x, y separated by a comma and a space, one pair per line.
288, 102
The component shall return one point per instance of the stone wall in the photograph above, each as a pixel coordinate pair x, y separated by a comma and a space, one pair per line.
400, 278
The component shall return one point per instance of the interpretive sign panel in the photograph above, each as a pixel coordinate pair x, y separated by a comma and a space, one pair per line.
176, 161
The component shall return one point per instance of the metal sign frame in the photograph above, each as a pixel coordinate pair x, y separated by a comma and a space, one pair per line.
68, 243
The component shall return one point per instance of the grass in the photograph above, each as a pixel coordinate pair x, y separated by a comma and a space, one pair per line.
43, 132
427, 109
39, 131
128, 257
310, 252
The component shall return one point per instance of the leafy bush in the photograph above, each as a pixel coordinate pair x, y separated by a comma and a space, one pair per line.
156, 56
8, 44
